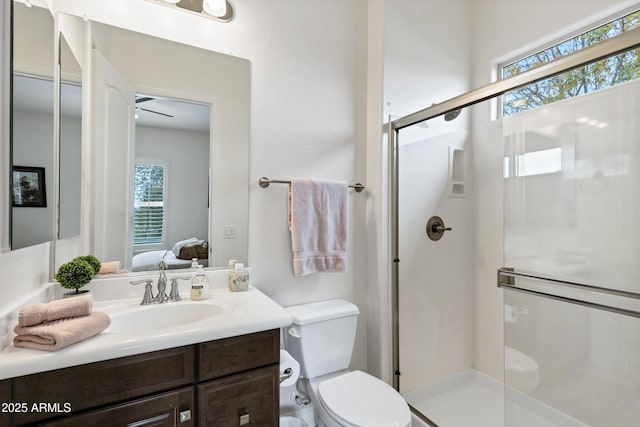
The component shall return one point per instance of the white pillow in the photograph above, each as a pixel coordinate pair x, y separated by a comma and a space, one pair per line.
183, 243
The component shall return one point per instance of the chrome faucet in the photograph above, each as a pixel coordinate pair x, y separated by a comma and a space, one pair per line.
148, 291
174, 295
162, 297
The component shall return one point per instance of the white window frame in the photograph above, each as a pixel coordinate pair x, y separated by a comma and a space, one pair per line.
553, 42
142, 247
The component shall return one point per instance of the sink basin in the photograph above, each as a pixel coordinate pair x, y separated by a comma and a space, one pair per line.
161, 316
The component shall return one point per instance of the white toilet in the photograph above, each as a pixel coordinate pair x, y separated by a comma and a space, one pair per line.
321, 339
521, 371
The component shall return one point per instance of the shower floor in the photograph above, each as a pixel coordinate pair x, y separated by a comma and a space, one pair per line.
466, 399
474, 399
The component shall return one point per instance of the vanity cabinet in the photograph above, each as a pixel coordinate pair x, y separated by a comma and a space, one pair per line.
245, 389
227, 382
5, 400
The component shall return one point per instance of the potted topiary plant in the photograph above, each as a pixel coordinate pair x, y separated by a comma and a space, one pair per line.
77, 273
92, 261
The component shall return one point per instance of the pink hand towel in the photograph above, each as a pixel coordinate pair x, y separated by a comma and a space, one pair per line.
61, 333
58, 309
110, 267
318, 215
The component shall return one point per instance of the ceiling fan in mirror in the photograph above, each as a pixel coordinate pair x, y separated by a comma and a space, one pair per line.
142, 99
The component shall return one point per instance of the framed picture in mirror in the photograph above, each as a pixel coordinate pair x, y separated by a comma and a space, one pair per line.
29, 187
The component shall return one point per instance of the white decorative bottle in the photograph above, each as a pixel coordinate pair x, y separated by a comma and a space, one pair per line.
238, 278
199, 285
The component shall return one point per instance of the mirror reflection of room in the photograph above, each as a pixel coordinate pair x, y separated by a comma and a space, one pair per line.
204, 190
171, 183
32, 125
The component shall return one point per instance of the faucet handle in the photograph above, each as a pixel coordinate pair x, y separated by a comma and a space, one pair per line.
174, 295
148, 290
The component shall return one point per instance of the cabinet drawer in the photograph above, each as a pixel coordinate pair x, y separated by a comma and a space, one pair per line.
251, 398
238, 354
107, 382
157, 411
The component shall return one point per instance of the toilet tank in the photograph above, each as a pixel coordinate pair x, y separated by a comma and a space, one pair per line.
321, 336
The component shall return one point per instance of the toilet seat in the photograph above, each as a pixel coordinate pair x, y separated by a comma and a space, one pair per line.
357, 399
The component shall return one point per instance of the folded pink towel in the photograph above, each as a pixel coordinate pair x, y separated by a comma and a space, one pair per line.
60, 333
58, 309
318, 215
110, 267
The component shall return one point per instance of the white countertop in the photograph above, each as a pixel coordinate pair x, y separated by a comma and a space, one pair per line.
238, 313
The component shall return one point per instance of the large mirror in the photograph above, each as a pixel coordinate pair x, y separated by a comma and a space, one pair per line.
171, 184
32, 140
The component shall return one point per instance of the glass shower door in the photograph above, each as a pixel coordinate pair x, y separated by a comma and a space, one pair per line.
572, 262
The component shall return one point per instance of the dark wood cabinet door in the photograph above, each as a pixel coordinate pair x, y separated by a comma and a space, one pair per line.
163, 410
105, 383
251, 399
238, 354
6, 401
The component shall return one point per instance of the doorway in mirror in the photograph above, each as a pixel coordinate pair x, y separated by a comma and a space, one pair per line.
171, 183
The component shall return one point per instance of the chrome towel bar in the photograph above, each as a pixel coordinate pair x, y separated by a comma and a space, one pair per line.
264, 182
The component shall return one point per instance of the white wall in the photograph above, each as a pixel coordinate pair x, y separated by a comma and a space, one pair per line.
186, 155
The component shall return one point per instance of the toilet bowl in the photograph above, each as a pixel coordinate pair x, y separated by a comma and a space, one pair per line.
321, 339
521, 371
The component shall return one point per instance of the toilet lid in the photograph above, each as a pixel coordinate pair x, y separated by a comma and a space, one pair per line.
361, 400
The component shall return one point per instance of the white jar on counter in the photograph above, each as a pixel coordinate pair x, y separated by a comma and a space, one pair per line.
238, 278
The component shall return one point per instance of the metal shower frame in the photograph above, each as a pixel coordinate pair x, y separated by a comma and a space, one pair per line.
619, 44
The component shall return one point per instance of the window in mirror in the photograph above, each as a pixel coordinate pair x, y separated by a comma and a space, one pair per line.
148, 207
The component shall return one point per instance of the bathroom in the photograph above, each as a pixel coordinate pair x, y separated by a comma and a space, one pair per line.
317, 102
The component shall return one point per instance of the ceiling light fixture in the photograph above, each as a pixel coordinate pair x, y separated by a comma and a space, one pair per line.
218, 10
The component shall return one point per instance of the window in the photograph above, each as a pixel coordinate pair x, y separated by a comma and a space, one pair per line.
598, 75
149, 203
